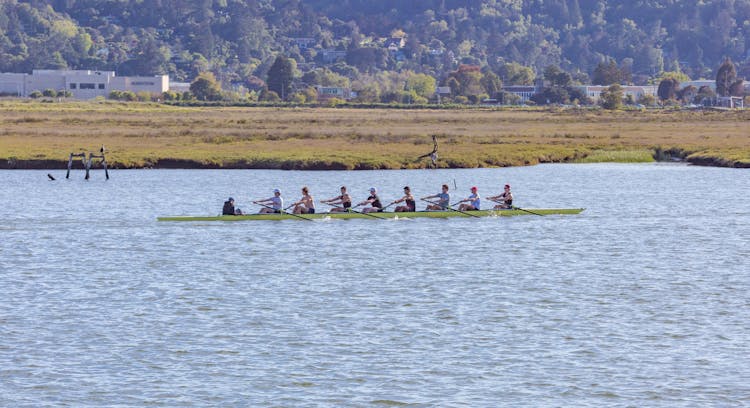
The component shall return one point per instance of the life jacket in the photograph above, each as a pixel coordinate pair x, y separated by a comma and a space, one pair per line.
228, 208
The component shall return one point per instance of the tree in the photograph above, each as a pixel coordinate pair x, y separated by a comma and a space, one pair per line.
668, 88
557, 77
205, 87
468, 79
422, 84
491, 83
705, 93
725, 77
516, 74
281, 76
607, 74
611, 98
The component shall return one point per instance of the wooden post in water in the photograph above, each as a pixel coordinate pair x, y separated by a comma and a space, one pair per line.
93, 156
70, 163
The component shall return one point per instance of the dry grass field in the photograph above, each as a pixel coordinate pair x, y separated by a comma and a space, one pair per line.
36, 134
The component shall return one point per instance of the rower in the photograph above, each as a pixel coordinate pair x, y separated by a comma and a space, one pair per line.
474, 201
374, 201
504, 200
344, 199
229, 208
306, 204
277, 203
408, 199
443, 200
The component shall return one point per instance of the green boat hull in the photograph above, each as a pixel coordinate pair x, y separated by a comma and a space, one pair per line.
383, 215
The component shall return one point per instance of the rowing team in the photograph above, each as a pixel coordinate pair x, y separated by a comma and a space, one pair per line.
343, 202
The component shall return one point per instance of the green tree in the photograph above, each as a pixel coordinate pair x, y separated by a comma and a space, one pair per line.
668, 88
422, 84
725, 77
205, 87
281, 76
491, 83
607, 73
611, 98
516, 74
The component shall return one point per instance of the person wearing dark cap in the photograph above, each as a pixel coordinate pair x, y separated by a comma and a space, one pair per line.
474, 201
229, 208
504, 200
374, 201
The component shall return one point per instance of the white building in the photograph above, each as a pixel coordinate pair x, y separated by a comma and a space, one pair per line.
636, 92
82, 84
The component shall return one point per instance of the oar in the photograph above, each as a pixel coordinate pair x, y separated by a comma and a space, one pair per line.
530, 212
517, 208
452, 209
383, 209
282, 211
332, 205
351, 209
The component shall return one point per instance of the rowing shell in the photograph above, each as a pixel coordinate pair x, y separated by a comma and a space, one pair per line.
349, 215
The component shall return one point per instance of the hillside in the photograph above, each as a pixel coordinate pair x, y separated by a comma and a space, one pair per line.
238, 40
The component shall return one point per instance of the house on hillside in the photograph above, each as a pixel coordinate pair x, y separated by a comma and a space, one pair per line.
302, 42
326, 93
395, 47
330, 55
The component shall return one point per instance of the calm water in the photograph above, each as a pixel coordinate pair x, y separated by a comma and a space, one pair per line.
642, 300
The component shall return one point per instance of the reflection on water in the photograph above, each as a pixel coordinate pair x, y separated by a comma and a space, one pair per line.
641, 300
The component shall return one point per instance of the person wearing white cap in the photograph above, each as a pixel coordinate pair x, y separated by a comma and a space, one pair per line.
374, 201
344, 199
276, 203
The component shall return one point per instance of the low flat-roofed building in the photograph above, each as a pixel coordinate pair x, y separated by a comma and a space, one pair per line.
82, 84
635, 91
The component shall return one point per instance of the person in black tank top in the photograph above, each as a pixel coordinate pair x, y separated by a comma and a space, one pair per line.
408, 200
504, 200
374, 201
344, 200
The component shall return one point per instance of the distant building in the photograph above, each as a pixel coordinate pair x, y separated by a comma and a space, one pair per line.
82, 84
395, 43
331, 55
180, 87
302, 42
524, 92
636, 92
699, 83
329, 92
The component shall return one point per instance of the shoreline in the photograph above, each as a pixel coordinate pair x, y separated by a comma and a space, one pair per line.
41, 136
184, 164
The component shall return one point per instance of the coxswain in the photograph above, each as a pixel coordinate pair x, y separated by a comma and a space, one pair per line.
229, 208
504, 200
373, 201
306, 204
471, 203
443, 200
276, 203
344, 200
408, 200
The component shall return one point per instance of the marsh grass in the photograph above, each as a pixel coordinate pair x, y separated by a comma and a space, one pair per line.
143, 134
